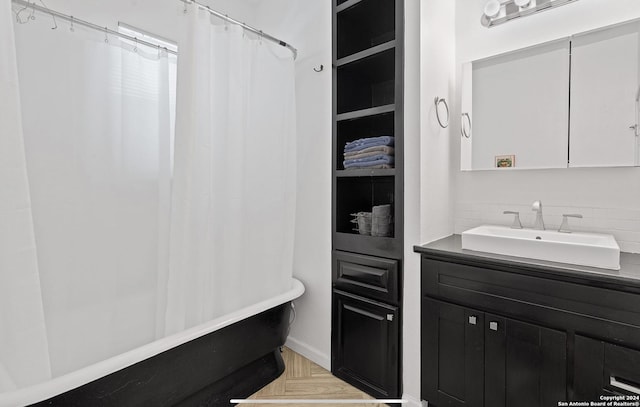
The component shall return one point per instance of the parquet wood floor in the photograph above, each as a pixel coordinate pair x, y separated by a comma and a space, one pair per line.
303, 379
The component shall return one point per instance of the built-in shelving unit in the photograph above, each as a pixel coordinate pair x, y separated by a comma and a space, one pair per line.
368, 89
367, 102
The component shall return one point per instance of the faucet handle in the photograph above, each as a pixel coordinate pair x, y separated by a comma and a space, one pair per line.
516, 220
564, 227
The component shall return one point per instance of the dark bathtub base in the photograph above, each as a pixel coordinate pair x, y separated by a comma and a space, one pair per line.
240, 384
233, 362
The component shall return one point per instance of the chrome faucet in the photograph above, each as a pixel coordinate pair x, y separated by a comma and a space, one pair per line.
537, 207
516, 220
564, 227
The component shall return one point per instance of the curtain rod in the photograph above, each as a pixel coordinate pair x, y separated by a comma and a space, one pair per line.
74, 20
77, 21
245, 26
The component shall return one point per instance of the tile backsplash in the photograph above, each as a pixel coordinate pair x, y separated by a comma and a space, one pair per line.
623, 223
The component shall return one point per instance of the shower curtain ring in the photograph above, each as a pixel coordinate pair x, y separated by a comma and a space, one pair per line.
19, 18
135, 47
106, 38
71, 28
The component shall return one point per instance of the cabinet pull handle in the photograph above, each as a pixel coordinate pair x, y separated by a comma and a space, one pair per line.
623, 386
365, 313
473, 319
389, 317
493, 325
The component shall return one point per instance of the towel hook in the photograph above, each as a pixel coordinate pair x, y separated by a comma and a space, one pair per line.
437, 101
319, 69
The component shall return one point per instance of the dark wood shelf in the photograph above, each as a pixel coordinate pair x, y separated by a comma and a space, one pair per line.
386, 247
367, 82
366, 53
363, 24
347, 4
372, 111
364, 172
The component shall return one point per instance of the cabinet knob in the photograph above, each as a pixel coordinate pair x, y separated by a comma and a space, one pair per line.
493, 325
473, 319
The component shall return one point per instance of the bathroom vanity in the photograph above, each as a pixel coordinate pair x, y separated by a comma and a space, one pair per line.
506, 331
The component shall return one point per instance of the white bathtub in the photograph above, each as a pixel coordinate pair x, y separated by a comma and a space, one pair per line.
88, 378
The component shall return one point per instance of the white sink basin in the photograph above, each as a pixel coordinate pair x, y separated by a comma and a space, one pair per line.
585, 249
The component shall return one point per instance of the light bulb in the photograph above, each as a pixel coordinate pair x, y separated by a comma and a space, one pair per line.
522, 3
492, 8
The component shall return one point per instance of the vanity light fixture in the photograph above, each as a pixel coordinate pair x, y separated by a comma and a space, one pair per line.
497, 12
492, 8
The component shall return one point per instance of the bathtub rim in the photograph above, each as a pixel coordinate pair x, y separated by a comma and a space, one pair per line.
45, 390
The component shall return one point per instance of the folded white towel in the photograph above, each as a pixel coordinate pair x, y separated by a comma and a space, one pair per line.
370, 151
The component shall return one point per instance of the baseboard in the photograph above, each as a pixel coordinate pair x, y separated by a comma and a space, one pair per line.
309, 352
411, 401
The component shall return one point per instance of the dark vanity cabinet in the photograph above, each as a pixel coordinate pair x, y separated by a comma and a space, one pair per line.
368, 66
522, 364
497, 332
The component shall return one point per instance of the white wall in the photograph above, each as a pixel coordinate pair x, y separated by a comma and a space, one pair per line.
412, 178
438, 79
429, 72
306, 24
609, 198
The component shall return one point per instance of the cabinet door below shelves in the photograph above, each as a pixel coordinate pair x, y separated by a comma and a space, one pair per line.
365, 343
452, 360
525, 365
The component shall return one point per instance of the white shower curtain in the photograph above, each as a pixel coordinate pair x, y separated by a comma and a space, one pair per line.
24, 354
233, 202
97, 134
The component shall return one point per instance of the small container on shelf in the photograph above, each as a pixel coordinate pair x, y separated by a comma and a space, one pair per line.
381, 221
363, 222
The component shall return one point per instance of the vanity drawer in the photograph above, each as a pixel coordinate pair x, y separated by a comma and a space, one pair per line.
372, 277
604, 368
500, 288
622, 369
